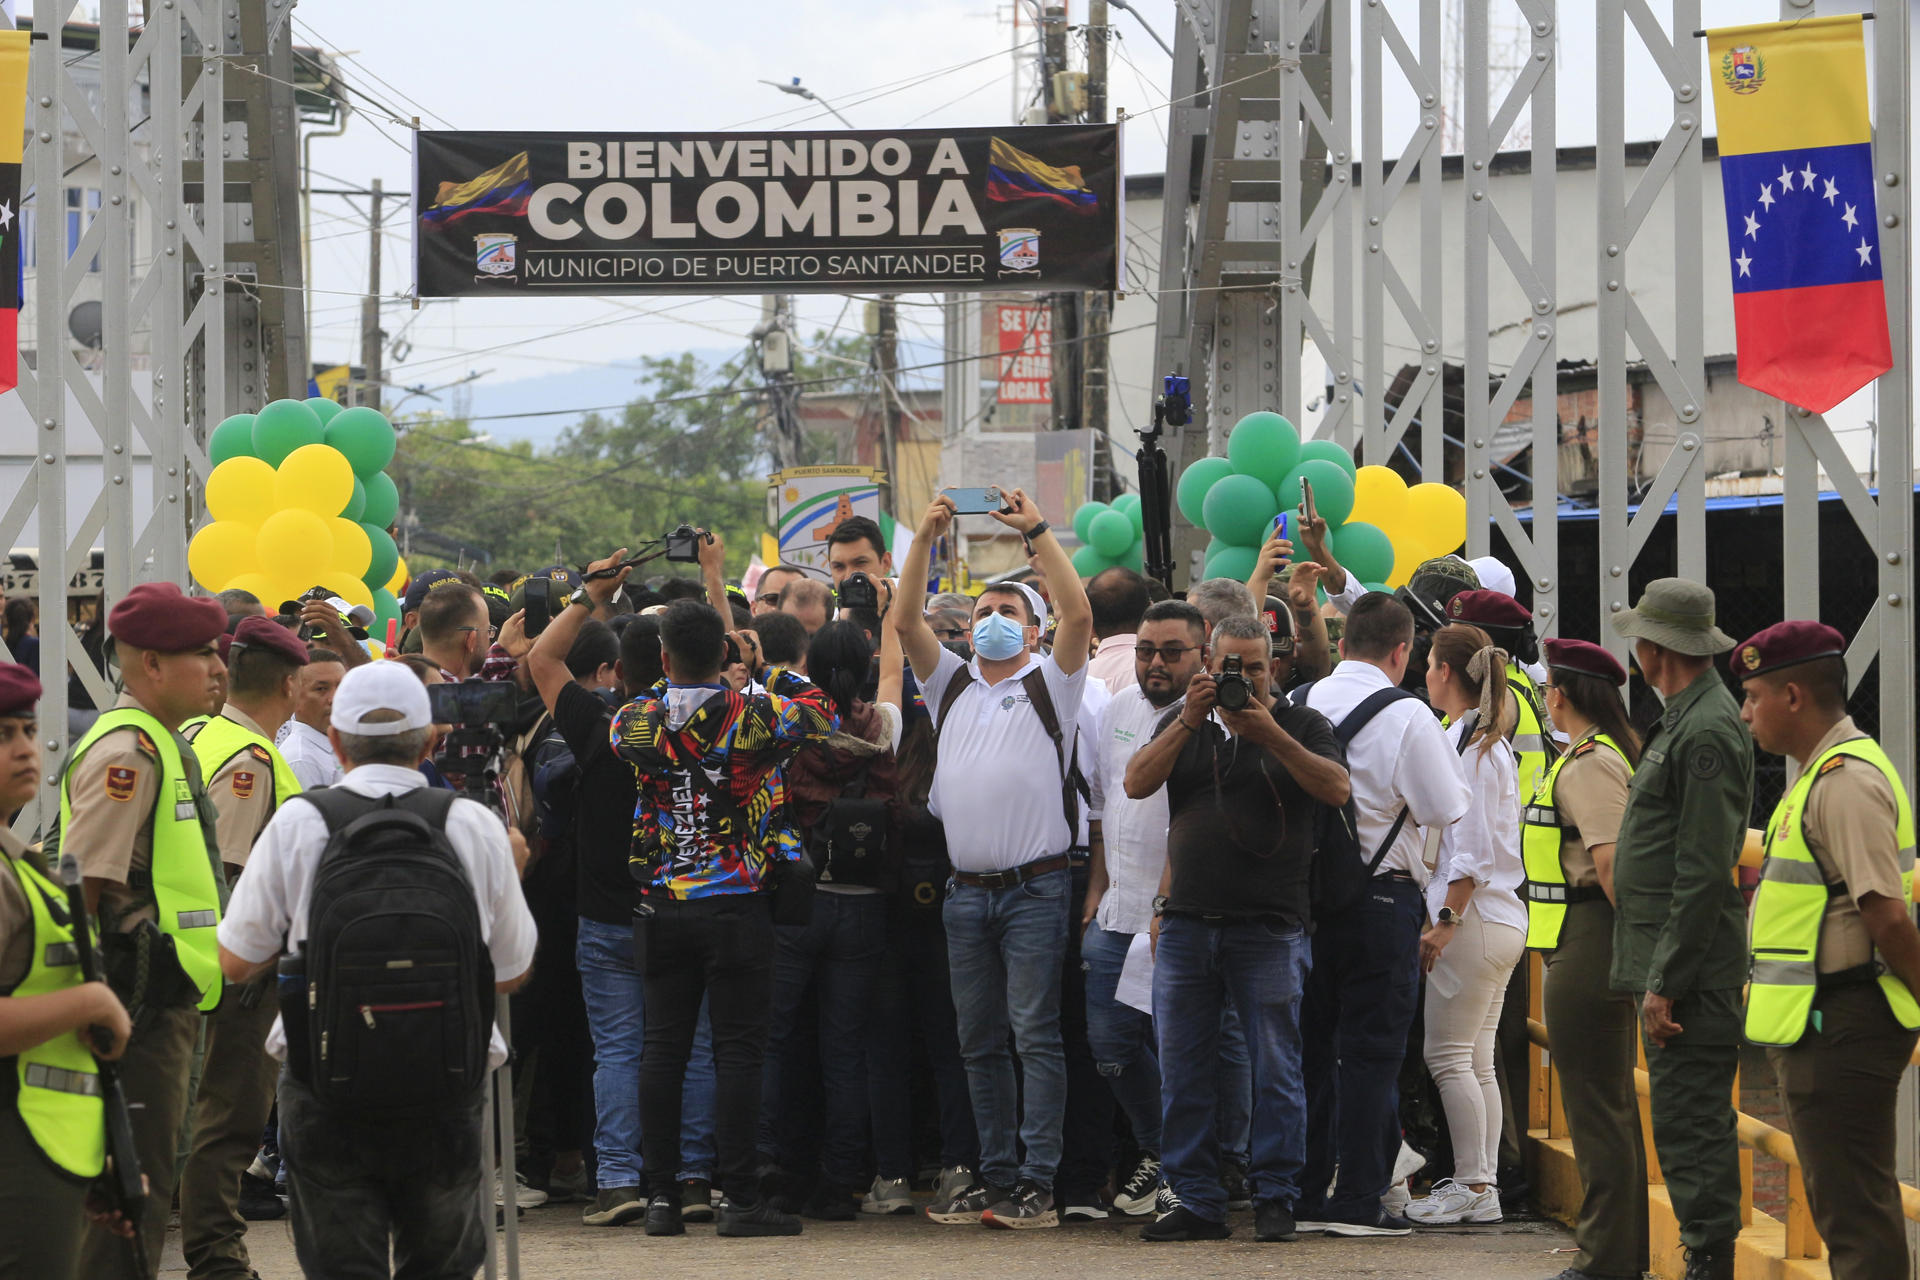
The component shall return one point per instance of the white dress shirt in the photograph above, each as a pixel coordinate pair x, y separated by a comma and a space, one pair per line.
1400, 760
1134, 831
1088, 753
1484, 846
310, 755
268, 913
996, 783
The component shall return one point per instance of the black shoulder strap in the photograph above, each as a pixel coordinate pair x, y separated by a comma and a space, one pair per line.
1298, 695
1072, 785
1356, 720
339, 806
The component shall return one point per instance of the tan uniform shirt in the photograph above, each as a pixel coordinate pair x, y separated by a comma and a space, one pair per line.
1591, 795
242, 792
16, 918
1850, 823
113, 790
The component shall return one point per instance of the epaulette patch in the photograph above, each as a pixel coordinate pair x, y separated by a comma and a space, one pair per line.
1830, 766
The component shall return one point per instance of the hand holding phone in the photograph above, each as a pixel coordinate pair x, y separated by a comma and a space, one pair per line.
976, 502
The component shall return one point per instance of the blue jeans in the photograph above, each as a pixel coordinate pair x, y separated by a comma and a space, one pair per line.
834, 954
1233, 1077
1359, 1009
1262, 969
1006, 948
615, 1004
1121, 1035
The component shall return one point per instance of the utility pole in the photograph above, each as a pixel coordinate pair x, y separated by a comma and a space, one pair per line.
775, 336
371, 339
1057, 91
886, 360
1098, 306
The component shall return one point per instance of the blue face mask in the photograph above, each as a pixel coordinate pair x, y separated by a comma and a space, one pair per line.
997, 637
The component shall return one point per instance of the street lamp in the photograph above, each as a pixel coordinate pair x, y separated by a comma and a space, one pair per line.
799, 90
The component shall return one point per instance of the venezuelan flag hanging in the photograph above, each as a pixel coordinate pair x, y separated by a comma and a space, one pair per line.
1796, 167
13, 114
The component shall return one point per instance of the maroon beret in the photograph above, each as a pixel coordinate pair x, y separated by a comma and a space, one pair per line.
1785, 644
160, 616
1585, 658
265, 633
19, 689
224, 646
1488, 609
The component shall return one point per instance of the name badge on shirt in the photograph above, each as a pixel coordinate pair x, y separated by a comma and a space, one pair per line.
1654, 755
182, 800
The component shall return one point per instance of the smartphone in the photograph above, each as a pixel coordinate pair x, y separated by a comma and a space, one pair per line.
1280, 526
538, 608
976, 502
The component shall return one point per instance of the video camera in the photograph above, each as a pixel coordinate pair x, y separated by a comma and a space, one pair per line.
482, 714
1232, 690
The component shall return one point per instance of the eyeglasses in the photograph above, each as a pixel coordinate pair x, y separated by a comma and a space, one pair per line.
1169, 653
951, 633
493, 633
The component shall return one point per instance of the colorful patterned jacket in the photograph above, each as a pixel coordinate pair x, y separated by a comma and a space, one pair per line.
697, 834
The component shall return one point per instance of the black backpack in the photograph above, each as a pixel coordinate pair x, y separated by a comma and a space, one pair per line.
399, 998
1342, 870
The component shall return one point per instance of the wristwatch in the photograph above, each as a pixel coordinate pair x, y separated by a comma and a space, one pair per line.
580, 596
1160, 904
1446, 915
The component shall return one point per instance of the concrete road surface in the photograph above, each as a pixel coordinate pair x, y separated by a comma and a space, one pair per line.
555, 1246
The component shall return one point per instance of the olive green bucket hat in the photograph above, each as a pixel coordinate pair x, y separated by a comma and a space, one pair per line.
1675, 614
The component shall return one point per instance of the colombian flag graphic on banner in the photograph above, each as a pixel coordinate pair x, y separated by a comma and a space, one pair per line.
1012, 174
13, 115
1796, 167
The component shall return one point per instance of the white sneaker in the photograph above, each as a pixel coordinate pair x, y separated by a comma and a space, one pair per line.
524, 1196
1452, 1202
1407, 1163
1397, 1199
1136, 1195
888, 1196
953, 1180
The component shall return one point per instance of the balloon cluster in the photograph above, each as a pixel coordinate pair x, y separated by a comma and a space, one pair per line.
1379, 529
300, 498
1111, 534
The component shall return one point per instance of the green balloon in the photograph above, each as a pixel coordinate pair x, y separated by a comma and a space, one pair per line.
1329, 451
1087, 562
1199, 477
364, 437
282, 427
231, 439
1233, 562
1083, 520
1136, 557
1111, 533
1265, 446
1332, 490
1130, 503
1380, 587
383, 503
386, 557
357, 504
327, 410
1239, 509
385, 605
1362, 550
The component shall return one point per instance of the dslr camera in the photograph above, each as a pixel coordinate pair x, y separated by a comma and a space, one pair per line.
683, 545
357, 615
1232, 692
859, 592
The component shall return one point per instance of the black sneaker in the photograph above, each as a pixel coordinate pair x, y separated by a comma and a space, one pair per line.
663, 1216
965, 1207
1272, 1221
614, 1207
760, 1219
1183, 1224
1233, 1181
1711, 1262
830, 1202
1027, 1206
1377, 1223
696, 1200
1136, 1195
258, 1201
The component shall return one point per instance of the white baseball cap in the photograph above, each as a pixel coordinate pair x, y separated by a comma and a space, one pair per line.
1039, 606
1493, 575
381, 686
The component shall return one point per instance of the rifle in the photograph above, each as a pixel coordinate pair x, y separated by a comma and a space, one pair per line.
124, 1189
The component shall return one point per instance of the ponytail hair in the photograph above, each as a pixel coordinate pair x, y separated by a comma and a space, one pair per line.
1481, 668
839, 658
1598, 700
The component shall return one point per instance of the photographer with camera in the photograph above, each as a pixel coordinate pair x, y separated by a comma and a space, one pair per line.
711, 839
1246, 779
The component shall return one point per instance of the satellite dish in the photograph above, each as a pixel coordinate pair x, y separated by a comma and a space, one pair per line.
83, 322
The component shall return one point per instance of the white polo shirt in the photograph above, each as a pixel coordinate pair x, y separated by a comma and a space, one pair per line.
1087, 754
996, 784
1401, 759
310, 755
1134, 831
268, 913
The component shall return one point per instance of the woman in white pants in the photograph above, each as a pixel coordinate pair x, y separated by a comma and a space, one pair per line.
1478, 927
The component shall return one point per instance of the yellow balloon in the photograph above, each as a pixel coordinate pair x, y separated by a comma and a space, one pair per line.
398, 584
1379, 496
241, 490
352, 552
295, 546
316, 478
222, 552
260, 584
1438, 512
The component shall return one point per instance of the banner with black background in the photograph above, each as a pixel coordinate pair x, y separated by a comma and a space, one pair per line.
1016, 207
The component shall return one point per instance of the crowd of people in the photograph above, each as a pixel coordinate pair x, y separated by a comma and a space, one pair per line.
1054, 902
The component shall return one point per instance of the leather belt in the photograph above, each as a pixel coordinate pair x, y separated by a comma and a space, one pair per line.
1397, 877
1012, 875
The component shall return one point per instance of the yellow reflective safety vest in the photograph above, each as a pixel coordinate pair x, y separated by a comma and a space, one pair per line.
1542, 834
186, 887
218, 740
1783, 934
1532, 736
56, 1085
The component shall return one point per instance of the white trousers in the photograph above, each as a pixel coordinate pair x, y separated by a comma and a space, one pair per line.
1465, 992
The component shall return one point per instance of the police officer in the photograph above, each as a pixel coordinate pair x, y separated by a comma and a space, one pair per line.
1836, 958
1679, 936
52, 1127
1567, 837
134, 815
248, 780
